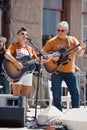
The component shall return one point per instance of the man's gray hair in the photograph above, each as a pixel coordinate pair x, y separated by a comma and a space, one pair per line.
63, 24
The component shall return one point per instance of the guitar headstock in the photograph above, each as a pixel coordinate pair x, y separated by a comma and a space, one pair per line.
56, 54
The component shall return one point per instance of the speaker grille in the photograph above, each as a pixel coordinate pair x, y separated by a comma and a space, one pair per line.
13, 112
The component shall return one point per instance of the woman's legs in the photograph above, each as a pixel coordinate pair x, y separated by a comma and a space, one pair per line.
21, 90
16, 89
25, 92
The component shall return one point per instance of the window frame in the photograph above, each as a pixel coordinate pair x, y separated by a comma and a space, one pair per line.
61, 11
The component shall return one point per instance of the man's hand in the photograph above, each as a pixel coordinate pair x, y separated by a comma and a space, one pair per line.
83, 45
83, 49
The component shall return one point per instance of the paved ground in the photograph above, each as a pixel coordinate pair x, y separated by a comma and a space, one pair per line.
31, 115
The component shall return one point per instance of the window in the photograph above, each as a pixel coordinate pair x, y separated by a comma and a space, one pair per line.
52, 14
53, 4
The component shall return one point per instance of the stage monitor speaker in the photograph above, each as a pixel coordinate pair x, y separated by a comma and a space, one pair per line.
12, 111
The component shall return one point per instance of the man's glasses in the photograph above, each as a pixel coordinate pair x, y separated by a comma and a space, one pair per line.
60, 30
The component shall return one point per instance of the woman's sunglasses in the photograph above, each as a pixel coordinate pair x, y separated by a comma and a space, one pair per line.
24, 33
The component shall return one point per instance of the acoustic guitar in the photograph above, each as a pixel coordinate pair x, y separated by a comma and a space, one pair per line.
53, 66
13, 74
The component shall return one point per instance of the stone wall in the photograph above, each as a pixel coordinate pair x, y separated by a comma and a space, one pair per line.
76, 24
73, 13
76, 19
26, 13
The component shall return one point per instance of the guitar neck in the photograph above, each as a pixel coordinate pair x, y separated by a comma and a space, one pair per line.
33, 61
55, 54
70, 50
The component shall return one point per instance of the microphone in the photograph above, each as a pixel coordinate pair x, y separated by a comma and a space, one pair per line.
27, 37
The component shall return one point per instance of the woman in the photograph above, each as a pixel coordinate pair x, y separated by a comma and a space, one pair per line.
18, 50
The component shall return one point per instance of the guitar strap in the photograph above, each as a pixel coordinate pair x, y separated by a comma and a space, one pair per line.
68, 41
60, 67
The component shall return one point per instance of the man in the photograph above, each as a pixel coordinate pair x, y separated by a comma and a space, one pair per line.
4, 83
66, 65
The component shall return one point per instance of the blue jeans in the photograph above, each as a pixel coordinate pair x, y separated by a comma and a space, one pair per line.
72, 84
6, 85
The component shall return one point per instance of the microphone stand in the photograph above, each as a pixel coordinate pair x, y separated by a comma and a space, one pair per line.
37, 88
35, 47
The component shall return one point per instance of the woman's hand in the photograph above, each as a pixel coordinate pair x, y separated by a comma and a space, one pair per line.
18, 65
